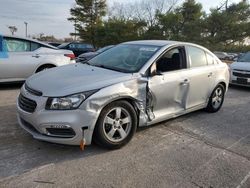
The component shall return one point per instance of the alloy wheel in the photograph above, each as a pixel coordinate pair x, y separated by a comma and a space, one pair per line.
117, 124
217, 97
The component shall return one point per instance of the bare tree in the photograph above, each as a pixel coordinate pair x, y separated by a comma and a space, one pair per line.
224, 4
12, 29
143, 10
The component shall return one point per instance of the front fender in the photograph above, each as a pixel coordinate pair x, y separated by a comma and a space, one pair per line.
134, 90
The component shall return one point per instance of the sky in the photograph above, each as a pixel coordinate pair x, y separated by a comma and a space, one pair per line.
50, 16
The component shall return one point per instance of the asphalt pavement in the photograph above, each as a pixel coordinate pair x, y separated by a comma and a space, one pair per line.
195, 150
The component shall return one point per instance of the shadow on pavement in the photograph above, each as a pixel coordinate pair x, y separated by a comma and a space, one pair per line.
19, 152
11, 86
240, 88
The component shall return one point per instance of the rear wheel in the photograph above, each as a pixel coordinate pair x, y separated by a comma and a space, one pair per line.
216, 99
116, 125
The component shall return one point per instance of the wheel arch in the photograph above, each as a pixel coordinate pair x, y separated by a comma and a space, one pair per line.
223, 84
127, 99
44, 65
131, 100
220, 82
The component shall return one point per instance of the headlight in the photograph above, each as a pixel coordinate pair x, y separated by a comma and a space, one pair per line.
69, 102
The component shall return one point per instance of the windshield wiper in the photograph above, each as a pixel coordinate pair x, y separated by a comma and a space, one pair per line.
86, 62
105, 67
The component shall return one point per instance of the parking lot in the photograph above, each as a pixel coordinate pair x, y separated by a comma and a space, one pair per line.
195, 150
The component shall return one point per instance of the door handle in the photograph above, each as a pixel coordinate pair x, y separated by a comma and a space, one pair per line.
210, 74
185, 81
36, 56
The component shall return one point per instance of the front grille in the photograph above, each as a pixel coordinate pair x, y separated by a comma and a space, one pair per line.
61, 132
26, 104
241, 70
243, 75
33, 91
240, 82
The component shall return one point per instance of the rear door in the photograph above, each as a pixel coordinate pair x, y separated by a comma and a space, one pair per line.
200, 76
21, 61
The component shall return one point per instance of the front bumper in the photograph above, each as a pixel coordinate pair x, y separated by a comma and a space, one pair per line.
237, 80
37, 123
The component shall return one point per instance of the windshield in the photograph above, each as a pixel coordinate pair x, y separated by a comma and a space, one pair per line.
127, 58
62, 45
244, 58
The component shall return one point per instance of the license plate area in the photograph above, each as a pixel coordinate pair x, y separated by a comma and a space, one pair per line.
242, 80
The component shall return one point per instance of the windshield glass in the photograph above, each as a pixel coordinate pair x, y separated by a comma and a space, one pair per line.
244, 58
62, 45
127, 58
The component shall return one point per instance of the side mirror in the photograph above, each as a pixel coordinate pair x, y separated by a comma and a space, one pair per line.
154, 72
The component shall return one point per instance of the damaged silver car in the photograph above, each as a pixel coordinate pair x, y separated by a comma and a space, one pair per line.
134, 84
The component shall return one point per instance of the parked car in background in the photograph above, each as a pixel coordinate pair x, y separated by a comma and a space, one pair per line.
89, 55
240, 71
224, 56
77, 48
239, 55
24, 57
233, 55
55, 44
133, 84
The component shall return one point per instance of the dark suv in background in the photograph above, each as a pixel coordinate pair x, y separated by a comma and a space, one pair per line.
77, 48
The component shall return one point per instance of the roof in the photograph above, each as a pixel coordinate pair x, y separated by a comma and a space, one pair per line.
30, 39
162, 43
153, 42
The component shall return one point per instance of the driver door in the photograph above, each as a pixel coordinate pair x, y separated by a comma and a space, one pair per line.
167, 86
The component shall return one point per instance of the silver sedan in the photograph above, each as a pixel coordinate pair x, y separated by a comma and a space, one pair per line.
134, 84
240, 71
22, 57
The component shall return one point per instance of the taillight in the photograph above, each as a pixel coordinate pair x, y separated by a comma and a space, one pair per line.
71, 56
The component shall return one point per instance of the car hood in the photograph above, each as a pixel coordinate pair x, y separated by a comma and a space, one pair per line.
241, 66
70, 79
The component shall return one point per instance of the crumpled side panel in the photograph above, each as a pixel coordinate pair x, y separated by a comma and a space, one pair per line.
135, 89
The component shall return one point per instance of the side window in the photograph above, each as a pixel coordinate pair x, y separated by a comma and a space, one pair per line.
17, 45
171, 60
72, 46
35, 46
80, 46
197, 57
89, 46
210, 59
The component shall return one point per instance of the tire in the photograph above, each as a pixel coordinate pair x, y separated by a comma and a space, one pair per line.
216, 99
44, 67
116, 125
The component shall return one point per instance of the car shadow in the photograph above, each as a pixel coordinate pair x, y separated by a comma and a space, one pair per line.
19, 152
241, 88
11, 86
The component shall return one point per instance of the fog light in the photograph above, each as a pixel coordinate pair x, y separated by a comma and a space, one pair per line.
63, 131
57, 126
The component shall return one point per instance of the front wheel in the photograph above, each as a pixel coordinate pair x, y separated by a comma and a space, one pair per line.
116, 125
216, 99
